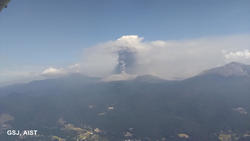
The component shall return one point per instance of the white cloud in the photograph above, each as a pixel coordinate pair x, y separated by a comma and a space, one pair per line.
168, 59
173, 59
53, 72
74, 68
18, 76
119, 77
244, 54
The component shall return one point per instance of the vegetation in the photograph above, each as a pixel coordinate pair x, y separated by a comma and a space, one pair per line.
201, 108
3, 4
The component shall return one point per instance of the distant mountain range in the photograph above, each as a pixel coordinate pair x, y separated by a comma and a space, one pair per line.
212, 106
231, 69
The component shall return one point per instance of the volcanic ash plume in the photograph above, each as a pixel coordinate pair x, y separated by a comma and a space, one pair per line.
126, 61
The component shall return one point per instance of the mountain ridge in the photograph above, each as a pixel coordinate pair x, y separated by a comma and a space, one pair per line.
203, 107
230, 69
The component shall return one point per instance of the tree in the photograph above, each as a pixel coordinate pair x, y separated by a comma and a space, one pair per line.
3, 4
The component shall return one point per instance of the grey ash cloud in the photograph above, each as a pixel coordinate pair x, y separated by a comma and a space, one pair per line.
126, 61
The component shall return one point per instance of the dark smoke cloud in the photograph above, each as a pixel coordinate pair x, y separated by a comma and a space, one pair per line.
126, 61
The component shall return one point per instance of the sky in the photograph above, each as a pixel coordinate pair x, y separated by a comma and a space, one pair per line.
46, 38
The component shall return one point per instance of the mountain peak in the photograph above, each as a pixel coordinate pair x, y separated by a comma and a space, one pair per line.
233, 64
231, 69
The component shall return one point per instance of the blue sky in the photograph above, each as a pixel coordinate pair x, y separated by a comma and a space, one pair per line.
55, 32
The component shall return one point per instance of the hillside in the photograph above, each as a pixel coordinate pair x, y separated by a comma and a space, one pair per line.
212, 106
